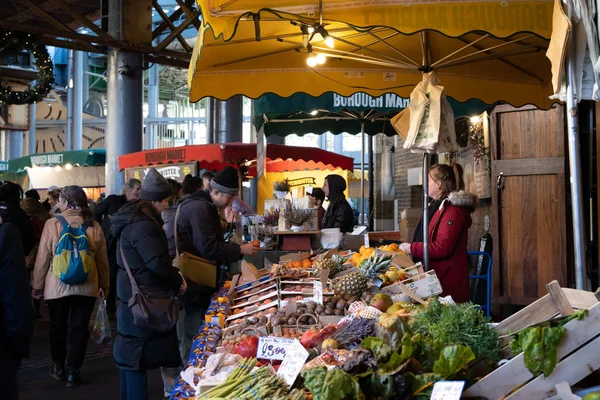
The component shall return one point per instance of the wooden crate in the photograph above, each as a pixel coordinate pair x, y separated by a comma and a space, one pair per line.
578, 354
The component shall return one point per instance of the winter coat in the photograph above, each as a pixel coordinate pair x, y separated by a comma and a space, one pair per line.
43, 275
13, 213
200, 233
339, 213
199, 230
146, 250
448, 242
16, 308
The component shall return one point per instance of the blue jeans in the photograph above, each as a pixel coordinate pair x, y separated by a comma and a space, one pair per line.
134, 385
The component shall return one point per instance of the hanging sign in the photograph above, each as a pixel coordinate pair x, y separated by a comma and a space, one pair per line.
169, 171
3, 166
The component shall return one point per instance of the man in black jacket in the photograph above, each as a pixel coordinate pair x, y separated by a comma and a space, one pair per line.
16, 309
10, 211
200, 233
102, 214
339, 213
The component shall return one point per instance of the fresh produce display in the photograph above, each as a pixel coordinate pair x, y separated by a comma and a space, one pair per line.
361, 343
355, 283
335, 264
248, 382
367, 252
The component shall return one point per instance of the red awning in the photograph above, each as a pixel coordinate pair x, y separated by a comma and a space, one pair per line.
280, 158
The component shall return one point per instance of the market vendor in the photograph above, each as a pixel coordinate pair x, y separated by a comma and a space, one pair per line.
449, 222
319, 196
339, 213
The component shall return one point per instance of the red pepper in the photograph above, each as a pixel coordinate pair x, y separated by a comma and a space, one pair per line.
247, 348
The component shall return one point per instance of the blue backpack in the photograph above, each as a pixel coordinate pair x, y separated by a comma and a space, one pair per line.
72, 262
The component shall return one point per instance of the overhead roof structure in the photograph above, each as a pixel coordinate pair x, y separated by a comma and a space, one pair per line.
74, 24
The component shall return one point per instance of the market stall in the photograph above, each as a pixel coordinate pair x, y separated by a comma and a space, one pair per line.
300, 165
80, 167
318, 327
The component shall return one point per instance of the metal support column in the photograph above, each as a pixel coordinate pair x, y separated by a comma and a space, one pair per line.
579, 239
153, 100
32, 140
125, 90
85, 67
234, 117
371, 183
15, 144
361, 219
78, 77
426, 211
69, 129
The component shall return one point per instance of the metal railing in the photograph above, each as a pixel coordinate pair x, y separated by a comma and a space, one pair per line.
165, 132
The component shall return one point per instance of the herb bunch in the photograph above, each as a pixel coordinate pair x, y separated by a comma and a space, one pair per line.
462, 324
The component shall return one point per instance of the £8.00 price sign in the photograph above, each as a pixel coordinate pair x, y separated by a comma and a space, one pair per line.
273, 348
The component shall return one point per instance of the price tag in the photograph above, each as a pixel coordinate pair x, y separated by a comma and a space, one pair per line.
447, 390
367, 242
318, 292
273, 348
293, 362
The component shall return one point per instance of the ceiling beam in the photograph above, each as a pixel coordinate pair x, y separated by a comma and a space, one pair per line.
174, 16
188, 11
82, 19
175, 32
172, 62
57, 24
53, 41
166, 19
82, 39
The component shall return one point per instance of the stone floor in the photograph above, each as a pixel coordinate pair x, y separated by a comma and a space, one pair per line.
99, 373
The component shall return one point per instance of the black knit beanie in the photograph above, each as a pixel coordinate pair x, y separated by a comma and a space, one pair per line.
226, 181
155, 187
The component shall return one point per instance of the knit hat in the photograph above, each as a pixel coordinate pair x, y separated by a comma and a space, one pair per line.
154, 187
226, 181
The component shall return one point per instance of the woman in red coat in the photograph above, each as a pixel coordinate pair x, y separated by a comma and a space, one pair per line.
448, 231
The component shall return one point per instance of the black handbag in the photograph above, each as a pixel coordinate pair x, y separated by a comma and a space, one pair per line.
153, 309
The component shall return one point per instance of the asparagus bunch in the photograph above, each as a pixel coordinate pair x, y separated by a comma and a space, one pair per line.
247, 383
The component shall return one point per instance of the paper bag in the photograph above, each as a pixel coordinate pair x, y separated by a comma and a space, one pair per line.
401, 123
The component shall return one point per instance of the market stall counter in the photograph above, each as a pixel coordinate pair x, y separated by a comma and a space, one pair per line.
316, 326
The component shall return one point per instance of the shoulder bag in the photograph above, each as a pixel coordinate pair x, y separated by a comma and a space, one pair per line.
197, 269
153, 309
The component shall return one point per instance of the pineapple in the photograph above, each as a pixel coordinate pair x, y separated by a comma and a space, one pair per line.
355, 283
334, 264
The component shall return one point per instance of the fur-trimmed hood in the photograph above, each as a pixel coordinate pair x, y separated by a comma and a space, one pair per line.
463, 199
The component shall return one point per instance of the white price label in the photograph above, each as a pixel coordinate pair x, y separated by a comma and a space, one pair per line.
293, 362
273, 348
447, 390
318, 292
367, 242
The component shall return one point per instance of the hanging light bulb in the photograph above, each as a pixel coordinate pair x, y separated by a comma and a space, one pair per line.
321, 59
329, 42
312, 61
311, 30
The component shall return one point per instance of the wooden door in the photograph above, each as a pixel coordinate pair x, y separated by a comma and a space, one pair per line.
528, 207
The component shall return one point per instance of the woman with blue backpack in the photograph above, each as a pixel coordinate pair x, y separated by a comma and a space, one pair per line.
70, 272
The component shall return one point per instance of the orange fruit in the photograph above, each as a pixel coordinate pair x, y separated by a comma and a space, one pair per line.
296, 264
306, 263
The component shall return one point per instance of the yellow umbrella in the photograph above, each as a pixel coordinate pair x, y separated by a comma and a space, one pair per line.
493, 51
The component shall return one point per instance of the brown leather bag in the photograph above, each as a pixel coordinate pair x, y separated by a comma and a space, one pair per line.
153, 309
196, 269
